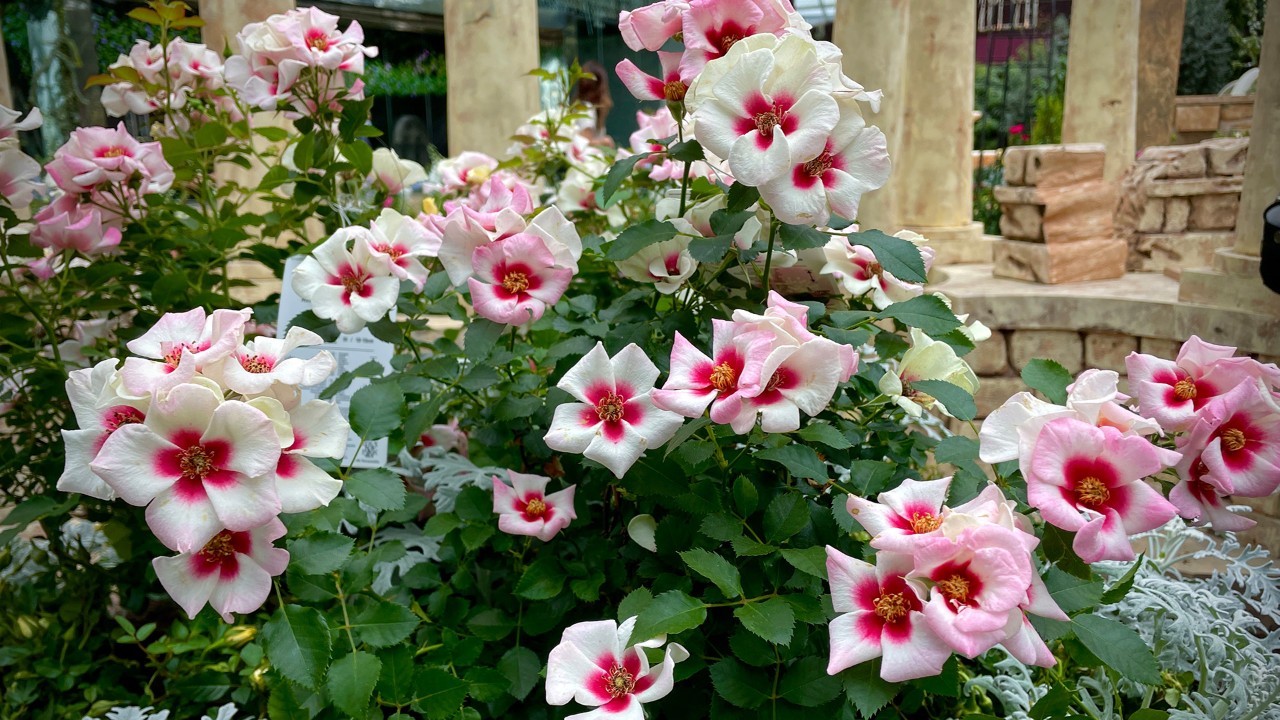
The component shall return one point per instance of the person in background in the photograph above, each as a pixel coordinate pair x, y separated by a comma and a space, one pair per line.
595, 94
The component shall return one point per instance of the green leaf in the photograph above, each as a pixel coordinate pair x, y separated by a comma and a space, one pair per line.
721, 526
1049, 377
786, 515
771, 620
376, 410
543, 580
685, 432
826, 434
812, 560
297, 642
865, 689
750, 547
901, 258
378, 488
807, 683
1121, 587
617, 174
801, 461
745, 497
440, 525
395, 682
320, 553
638, 237
1119, 647
954, 398
351, 682
384, 624
487, 684
926, 312
491, 624
634, 603
521, 667
687, 151
669, 613
272, 133
1070, 592
741, 197
360, 155
715, 568
438, 694
710, 250
738, 684
1055, 703
801, 237
480, 338
28, 511
1149, 714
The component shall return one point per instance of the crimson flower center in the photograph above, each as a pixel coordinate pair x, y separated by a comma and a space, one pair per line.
219, 548
727, 41
174, 356
195, 462
955, 588
1092, 492
767, 121
1234, 439
609, 408
515, 282
114, 152
925, 522
819, 166
619, 681
723, 377
535, 507
257, 364
891, 607
354, 281
774, 381
1185, 389
318, 40
124, 415
674, 90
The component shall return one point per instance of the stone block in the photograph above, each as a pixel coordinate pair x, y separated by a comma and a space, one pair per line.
1022, 222
1204, 286
1176, 212
1064, 346
993, 392
1214, 212
1176, 161
1227, 155
1174, 251
1060, 262
1236, 108
1229, 261
1152, 218
1079, 212
1196, 118
1015, 164
1269, 505
1266, 533
1017, 195
1107, 351
991, 356
1070, 164
1195, 186
1159, 347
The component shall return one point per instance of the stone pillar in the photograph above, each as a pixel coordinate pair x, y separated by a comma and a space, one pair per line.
1234, 281
6, 94
224, 18
921, 53
1102, 79
1159, 49
490, 45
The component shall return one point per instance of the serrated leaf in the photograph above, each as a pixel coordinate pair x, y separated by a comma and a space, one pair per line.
786, 515
745, 497
901, 258
587, 589
800, 460
750, 547
715, 568
1121, 587
376, 410
719, 526
669, 613
710, 250
395, 682
520, 666
801, 237
1053, 704
620, 171
351, 682
1070, 592
1049, 377
384, 624
638, 237
378, 488
1121, 648
480, 338
687, 151
738, 684
811, 560
807, 683
685, 432
741, 197
491, 624
438, 694
926, 312
543, 580
297, 642
865, 689
634, 603
320, 553
954, 398
826, 434
772, 619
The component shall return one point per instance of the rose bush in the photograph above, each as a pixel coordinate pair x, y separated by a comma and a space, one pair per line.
665, 429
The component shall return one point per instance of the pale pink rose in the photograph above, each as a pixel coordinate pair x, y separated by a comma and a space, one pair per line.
615, 421
901, 517
10, 125
95, 157
525, 508
671, 87
402, 242
198, 463
100, 409
66, 224
231, 572
882, 616
1089, 480
1235, 442
259, 364
466, 169
449, 437
516, 279
499, 208
346, 282
697, 380
319, 430
658, 125
311, 36
1199, 499
667, 264
1172, 391
859, 273
178, 346
19, 177
712, 27
395, 173
651, 26
596, 665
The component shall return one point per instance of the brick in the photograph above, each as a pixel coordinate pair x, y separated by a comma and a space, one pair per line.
1022, 222
1173, 251
1214, 212
1195, 186
1070, 164
1152, 218
1107, 351
1196, 118
993, 392
1064, 346
991, 356
1227, 155
1236, 108
1159, 347
1079, 212
1176, 213
1054, 264
1176, 161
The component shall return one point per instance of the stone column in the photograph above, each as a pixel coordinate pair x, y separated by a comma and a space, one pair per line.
490, 45
1159, 49
921, 53
6, 94
1102, 79
224, 18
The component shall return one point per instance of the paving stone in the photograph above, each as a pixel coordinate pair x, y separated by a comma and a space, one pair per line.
1159, 347
1195, 186
1070, 164
1152, 218
1017, 195
1161, 252
1064, 346
993, 392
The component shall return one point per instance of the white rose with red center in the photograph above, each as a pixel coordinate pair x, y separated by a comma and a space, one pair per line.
100, 409
346, 282
231, 572
525, 508
261, 364
178, 346
516, 279
596, 665
615, 420
402, 241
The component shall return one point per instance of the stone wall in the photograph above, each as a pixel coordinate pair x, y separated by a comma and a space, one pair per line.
1178, 204
1200, 117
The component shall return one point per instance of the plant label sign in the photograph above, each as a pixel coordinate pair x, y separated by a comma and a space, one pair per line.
350, 351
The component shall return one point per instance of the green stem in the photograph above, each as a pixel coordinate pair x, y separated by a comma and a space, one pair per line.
346, 619
768, 258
